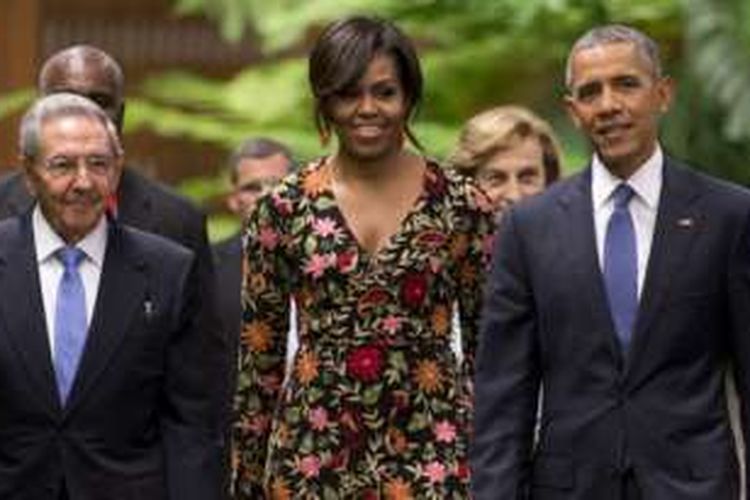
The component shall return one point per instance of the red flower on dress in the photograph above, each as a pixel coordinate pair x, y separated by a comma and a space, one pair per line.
462, 470
365, 363
414, 289
346, 261
431, 239
370, 495
373, 297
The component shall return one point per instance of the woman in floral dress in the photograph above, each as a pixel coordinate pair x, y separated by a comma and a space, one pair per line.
375, 244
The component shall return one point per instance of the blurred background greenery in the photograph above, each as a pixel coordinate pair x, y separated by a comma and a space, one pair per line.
476, 54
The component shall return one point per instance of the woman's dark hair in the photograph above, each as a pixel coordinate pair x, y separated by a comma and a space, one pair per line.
342, 54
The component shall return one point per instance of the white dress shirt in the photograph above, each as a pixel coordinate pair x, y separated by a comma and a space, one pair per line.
46, 243
646, 183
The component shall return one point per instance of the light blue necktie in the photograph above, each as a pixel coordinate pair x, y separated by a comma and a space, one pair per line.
70, 320
621, 266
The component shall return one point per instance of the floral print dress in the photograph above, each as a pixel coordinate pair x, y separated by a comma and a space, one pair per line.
376, 404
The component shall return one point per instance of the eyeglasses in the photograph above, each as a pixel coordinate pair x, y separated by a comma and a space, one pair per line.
67, 166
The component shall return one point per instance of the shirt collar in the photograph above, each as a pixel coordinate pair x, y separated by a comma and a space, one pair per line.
47, 241
646, 180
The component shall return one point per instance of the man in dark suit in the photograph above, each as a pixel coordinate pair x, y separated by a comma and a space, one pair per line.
257, 165
624, 293
106, 375
139, 201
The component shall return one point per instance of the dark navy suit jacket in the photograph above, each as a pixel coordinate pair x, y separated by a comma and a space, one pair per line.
656, 414
140, 420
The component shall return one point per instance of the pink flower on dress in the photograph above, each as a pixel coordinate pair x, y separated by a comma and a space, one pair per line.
434, 471
268, 238
445, 432
317, 265
392, 324
309, 466
283, 205
259, 424
326, 227
318, 418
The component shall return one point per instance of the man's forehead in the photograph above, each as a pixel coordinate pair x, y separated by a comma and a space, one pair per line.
607, 60
73, 124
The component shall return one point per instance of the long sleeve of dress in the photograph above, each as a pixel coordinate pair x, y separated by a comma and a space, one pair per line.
262, 349
472, 243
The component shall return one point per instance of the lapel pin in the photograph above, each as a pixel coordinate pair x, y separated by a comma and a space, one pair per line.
148, 309
685, 222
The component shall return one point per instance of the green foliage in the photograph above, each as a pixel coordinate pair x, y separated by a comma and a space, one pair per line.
15, 101
718, 51
475, 54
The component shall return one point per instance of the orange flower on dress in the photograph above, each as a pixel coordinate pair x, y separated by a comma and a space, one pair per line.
397, 440
279, 490
398, 489
256, 283
441, 320
257, 336
428, 376
282, 434
307, 367
317, 181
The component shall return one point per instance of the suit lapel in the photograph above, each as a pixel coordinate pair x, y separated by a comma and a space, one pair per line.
22, 310
677, 224
122, 288
578, 236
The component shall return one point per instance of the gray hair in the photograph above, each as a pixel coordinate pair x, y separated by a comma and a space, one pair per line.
615, 33
56, 106
258, 148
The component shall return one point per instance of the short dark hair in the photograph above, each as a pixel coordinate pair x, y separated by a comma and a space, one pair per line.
342, 54
86, 55
615, 33
258, 148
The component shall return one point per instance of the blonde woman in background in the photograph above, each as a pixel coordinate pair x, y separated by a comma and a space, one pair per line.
510, 151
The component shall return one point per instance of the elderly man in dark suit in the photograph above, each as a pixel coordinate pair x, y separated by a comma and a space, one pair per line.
624, 292
106, 376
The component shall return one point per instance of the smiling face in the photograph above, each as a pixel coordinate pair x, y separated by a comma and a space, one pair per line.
369, 118
74, 173
617, 100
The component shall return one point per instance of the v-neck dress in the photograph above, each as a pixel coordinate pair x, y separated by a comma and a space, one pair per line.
376, 404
